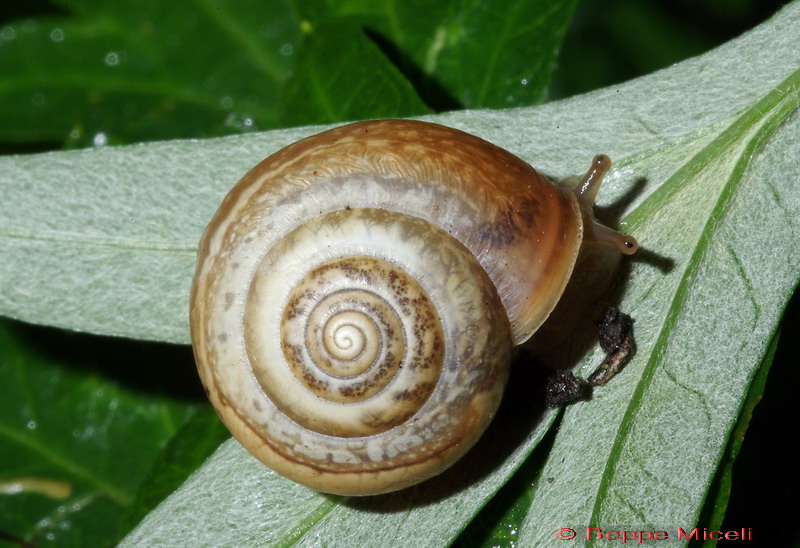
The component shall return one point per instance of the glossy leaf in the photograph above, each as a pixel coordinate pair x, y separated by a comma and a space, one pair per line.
198, 437
314, 93
706, 155
76, 436
469, 54
139, 70
126, 71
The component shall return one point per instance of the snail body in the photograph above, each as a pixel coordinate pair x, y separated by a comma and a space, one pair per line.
358, 293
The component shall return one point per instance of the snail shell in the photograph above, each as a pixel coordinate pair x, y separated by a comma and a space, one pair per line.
358, 294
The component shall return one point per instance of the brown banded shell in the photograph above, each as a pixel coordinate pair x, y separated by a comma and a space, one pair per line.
358, 293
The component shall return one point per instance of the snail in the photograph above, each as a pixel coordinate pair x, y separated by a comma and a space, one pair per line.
358, 294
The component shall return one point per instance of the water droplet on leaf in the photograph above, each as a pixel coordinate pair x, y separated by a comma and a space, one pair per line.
112, 59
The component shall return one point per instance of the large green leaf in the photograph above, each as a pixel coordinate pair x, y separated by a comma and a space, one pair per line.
710, 145
469, 54
324, 89
77, 436
138, 70
127, 70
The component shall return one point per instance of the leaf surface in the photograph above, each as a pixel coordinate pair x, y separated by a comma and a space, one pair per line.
706, 168
126, 71
470, 54
136, 70
77, 436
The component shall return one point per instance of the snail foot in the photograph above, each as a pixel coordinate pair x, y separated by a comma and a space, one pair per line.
615, 334
562, 388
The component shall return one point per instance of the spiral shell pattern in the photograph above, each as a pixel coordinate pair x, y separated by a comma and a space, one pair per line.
357, 294
360, 336
367, 351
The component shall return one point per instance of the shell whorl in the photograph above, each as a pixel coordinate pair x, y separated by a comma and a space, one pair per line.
360, 336
367, 351
523, 230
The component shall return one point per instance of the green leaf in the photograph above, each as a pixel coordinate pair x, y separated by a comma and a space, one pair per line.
643, 452
716, 503
325, 89
76, 437
470, 54
116, 72
199, 436
144, 70
235, 500
706, 157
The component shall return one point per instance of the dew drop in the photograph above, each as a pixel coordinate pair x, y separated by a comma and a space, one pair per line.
112, 59
8, 33
286, 50
240, 121
57, 35
524, 82
31, 425
226, 102
100, 139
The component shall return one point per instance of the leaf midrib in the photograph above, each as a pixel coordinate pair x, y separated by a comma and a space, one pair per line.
96, 241
239, 35
489, 77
